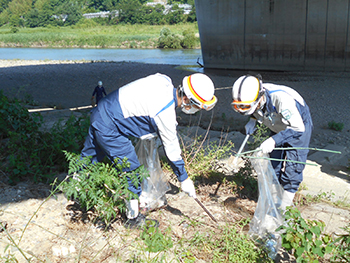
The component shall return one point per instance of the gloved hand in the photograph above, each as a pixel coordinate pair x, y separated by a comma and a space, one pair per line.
132, 208
188, 187
268, 145
287, 199
250, 126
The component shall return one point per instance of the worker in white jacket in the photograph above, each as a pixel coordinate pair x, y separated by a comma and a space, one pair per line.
286, 114
143, 107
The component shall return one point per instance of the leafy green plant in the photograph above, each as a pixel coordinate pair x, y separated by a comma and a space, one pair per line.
189, 39
14, 30
29, 151
305, 237
324, 196
228, 244
261, 134
337, 126
201, 157
114, 36
101, 187
168, 39
154, 240
246, 184
342, 247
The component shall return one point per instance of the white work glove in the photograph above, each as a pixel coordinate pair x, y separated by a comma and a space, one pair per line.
268, 145
250, 126
188, 187
132, 208
287, 200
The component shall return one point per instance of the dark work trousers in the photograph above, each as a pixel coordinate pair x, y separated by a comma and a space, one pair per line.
103, 141
290, 174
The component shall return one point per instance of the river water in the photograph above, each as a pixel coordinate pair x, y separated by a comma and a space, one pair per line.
154, 56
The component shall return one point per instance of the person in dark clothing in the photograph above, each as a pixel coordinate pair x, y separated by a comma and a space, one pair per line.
286, 114
98, 91
143, 108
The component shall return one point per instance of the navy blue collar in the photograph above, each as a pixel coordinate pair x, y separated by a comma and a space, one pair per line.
269, 107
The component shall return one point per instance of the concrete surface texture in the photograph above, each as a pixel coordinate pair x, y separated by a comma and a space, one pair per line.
274, 35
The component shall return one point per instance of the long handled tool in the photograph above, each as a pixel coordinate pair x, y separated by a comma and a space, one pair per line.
206, 210
235, 160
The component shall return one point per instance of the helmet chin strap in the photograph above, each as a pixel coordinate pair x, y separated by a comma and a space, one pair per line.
262, 102
191, 110
181, 90
183, 104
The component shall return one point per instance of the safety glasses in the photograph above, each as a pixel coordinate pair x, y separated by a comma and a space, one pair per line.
244, 106
240, 107
206, 105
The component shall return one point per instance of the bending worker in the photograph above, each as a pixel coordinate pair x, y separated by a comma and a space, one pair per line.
99, 91
286, 114
143, 107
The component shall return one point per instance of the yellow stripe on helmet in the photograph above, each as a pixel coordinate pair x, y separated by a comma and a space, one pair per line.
205, 104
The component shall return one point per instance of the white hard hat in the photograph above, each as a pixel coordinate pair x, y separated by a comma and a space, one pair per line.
99, 83
246, 92
199, 88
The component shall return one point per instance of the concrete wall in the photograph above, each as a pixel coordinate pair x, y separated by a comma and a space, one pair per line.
274, 34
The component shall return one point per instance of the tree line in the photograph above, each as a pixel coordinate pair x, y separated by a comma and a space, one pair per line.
43, 13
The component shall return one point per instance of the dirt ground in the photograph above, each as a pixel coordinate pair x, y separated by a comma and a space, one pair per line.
58, 232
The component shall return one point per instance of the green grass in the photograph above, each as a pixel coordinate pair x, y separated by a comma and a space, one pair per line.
88, 35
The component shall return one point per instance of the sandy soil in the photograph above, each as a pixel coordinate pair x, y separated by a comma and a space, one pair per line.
53, 235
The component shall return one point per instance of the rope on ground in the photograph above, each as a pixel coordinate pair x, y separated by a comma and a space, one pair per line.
292, 148
286, 160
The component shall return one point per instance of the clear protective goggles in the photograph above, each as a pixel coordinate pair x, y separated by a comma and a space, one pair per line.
206, 105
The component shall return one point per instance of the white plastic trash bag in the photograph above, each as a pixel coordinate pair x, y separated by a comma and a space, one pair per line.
268, 216
156, 185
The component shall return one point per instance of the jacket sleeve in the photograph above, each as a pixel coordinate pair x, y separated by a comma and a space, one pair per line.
93, 93
166, 123
286, 106
103, 90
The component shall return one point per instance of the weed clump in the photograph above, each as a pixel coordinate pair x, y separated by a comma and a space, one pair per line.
28, 151
337, 126
101, 187
167, 39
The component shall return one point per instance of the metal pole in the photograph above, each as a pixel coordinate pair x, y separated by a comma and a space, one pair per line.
206, 210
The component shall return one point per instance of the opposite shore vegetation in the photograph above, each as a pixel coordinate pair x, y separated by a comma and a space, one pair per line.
88, 35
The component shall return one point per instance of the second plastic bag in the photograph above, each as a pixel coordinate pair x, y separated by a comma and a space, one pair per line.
268, 215
156, 185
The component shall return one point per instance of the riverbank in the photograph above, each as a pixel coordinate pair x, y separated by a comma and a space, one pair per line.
67, 84
93, 36
60, 232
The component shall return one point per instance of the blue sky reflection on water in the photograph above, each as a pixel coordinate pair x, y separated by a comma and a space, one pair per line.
153, 56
